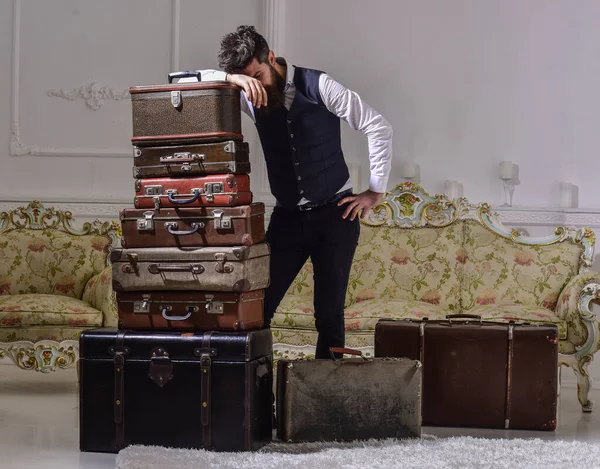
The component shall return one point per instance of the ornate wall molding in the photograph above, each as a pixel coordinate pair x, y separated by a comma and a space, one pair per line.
549, 217
93, 93
20, 148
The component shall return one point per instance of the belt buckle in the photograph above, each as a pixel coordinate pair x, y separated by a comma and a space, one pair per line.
305, 207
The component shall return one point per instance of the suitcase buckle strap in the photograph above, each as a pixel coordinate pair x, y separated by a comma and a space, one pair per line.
161, 368
176, 99
221, 221
119, 351
211, 188
142, 307
221, 266
213, 307
146, 223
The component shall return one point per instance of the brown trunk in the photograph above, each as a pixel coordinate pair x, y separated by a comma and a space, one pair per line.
480, 374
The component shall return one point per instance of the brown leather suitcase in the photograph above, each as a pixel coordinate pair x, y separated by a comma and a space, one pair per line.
191, 160
200, 311
479, 374
177, 114
348, 399
219, 190
211, 269
209, 390
193, 227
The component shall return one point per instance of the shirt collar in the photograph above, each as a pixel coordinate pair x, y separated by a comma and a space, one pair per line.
289, 71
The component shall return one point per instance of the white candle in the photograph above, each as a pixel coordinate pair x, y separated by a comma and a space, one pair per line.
566, 194
409, 169
508, 170
453, 189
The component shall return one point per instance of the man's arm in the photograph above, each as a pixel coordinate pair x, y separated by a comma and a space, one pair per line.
218, 75
348, 105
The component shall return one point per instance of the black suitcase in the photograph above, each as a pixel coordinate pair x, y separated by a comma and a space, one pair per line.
210, 390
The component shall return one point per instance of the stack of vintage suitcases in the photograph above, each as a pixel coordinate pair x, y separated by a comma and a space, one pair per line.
190, 364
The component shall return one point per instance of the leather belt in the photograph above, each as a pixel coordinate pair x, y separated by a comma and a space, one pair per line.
336, 198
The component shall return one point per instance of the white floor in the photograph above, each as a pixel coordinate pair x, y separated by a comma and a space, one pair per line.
39, 425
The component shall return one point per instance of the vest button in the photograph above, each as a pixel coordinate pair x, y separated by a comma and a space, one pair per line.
289, 121
299, 178
293, 148
297, 164
301, 192
291, 135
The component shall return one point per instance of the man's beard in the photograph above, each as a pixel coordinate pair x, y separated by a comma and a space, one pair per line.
275, 97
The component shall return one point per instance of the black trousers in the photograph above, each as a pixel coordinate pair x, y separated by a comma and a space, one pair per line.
330, 241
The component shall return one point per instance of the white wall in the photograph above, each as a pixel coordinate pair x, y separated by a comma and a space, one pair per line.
68, 44
465, 84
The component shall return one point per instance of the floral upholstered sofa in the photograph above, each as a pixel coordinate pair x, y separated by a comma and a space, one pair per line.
422, 256
54, 282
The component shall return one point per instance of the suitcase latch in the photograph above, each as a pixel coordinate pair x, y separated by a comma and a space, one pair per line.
153, 190
146, 223
211, 188
142, 307
221, 222
137, 152
221, 266
161, 368
176, 99
213, 307
229, 148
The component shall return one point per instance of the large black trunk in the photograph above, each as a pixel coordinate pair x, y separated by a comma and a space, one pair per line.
208, 390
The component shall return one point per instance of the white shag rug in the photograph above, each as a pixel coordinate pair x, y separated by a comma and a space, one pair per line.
429, 452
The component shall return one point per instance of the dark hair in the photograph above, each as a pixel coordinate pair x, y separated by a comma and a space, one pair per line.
240, 48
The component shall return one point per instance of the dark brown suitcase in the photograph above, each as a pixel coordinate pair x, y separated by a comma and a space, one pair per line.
479, 374
227, 268
178, 114
191, 227
211, 390
191, 160
349, 399
220, 190
219, 311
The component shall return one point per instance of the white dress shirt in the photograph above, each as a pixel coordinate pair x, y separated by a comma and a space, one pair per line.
347, 105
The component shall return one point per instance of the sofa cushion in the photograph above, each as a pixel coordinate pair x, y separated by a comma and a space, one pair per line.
49, 261
498, 271
297, 311
408, 264
521, 313
46, 310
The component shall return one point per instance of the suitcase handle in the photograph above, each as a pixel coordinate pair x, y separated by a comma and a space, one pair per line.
186, 74
171, 227
190, 310
347, 351
186, 157
450, 317
158, 268
191, 200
